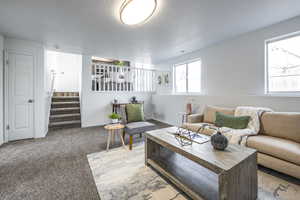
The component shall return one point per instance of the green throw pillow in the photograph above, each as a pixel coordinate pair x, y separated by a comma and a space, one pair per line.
231, 121
135, 112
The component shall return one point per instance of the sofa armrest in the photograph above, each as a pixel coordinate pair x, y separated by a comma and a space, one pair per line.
195, 118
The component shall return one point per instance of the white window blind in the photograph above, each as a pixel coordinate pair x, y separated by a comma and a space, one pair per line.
283, 64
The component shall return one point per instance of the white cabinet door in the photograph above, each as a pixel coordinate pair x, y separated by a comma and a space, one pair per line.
20, 96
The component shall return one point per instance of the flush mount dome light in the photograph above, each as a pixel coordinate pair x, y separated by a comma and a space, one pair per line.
133, 12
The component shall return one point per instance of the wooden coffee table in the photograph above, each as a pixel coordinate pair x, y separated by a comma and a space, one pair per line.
202, 172
111, 128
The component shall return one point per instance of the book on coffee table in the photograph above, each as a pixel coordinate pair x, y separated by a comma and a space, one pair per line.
200, 138
193, 136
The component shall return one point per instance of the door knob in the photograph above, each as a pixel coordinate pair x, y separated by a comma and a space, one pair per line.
30, 101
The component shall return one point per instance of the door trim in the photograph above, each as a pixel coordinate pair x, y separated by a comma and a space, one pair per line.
6, 89
5, 96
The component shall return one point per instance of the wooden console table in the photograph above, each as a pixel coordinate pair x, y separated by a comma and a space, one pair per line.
202, 172
116, 106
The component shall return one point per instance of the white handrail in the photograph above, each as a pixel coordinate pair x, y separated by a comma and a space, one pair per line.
52, 80
49, 96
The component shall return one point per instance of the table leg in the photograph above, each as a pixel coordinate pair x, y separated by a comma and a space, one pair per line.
122, 140
108, 140
113, 136
130, 142
123, 134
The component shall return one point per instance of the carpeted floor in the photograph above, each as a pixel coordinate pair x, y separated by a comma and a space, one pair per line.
55, 167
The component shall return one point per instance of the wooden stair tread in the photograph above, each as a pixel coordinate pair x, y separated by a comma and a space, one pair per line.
65, 102
65, 115
65, 123
69, 108
65, 97
65, 94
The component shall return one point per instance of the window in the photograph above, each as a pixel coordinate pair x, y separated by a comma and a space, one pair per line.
187, 77
283, 65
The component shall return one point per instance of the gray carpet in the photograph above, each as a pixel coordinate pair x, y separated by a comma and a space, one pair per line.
54, 167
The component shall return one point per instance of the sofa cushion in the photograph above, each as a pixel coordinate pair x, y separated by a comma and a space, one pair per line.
278, 165
240, 122
135, 112
195, 127
195, 118
282, 125
210, 113
280, 148
138, 127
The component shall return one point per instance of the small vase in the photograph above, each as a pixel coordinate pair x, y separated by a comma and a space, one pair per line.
219, 141
114, 121
188, 108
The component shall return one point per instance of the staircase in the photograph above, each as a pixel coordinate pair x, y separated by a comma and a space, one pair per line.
65, 111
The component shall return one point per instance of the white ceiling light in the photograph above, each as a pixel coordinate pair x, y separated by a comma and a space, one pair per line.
134, 12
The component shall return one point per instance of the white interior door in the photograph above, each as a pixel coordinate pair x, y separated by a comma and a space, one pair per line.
20, 96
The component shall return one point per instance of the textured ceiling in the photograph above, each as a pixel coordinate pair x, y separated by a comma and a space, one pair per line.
93, 26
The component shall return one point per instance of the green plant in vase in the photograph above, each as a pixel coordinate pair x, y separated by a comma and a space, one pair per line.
114, 117
119, 63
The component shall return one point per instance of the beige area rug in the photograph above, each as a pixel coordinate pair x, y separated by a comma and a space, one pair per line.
121, 174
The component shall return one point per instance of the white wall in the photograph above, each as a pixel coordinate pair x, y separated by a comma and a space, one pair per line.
67, 67
168, 107
233, 74
37, 50
96, 106
1, 90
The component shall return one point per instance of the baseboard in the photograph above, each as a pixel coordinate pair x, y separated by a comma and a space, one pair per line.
41, 136
2, 140
92, 125
46, 131
163, 121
